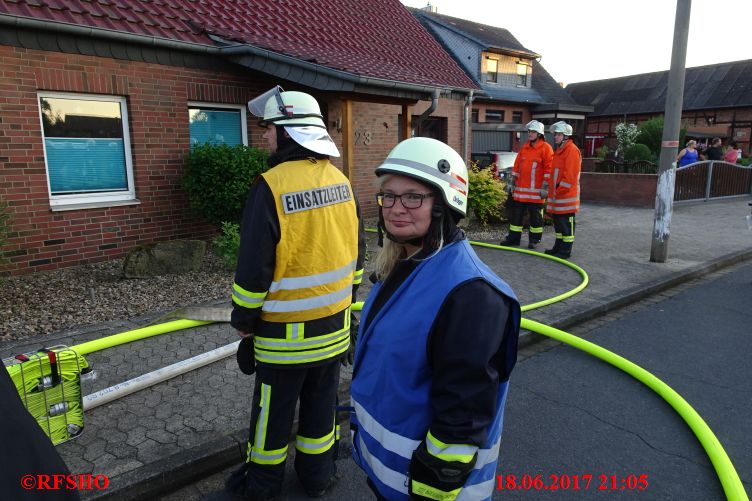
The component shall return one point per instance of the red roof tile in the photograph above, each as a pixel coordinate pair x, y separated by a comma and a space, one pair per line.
372, 38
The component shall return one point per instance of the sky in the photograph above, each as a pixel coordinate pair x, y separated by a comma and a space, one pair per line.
582, 40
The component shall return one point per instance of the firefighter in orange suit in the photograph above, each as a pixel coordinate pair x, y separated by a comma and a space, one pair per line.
528, 187
564, 201
299, 265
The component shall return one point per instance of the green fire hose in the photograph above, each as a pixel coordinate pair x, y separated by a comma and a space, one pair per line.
727, 474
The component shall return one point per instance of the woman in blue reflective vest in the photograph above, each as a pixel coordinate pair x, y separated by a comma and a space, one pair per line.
437, 339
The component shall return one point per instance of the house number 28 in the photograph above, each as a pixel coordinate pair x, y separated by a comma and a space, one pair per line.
364, 135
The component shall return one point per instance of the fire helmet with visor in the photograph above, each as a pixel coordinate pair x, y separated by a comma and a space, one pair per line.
434, 163
536, 126
299, 113
561, 128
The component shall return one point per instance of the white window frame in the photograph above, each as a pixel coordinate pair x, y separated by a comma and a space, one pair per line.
241, 107
103, 199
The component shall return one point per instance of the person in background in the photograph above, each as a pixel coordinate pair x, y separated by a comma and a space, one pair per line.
732, 154
688, 155
299, 266
715, 151
528, 186
564, 202
431, 375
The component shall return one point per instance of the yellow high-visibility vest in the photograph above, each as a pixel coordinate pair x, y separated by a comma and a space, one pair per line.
318, 249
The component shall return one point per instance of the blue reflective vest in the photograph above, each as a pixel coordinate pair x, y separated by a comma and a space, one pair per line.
392, 378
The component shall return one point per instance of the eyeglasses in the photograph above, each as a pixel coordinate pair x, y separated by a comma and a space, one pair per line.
408, 200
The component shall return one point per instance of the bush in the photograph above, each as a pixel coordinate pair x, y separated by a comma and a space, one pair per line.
638, 152
218, 177
651, 134
602, 152
486, 196
227, 245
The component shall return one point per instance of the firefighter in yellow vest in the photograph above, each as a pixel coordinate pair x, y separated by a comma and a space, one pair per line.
564, 201
528, 186
299, 265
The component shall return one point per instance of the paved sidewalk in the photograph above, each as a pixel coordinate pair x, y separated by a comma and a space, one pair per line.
173, 433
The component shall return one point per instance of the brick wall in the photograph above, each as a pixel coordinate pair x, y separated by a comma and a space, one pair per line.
636, 190
157, 98
376, 132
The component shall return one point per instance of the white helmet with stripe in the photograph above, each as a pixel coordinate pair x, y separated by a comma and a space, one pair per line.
434, 163
561, 128
289, 108
299, 113
536, 126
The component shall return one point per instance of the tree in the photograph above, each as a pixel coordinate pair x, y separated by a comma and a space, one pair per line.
651, 134
625, 135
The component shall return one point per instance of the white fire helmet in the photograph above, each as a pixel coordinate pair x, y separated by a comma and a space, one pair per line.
536, 126
434, 163
561, 127
299, 113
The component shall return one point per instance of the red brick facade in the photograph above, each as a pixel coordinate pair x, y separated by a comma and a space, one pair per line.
157, 98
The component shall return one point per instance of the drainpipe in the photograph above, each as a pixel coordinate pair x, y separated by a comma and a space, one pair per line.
434, 103
465, 126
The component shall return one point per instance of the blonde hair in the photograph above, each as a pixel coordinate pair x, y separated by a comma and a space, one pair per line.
691, 142
387, 258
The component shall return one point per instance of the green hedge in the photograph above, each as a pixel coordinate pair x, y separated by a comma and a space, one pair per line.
487, 196
217, 179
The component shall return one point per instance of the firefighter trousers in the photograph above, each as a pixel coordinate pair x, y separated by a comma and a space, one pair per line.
274, 399
564, 227
516, 214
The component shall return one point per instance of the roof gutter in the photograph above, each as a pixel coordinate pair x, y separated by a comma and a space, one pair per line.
269, 59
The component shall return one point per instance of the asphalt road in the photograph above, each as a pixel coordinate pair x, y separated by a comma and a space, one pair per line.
571, 417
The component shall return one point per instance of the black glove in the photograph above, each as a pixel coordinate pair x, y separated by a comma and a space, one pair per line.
510, 186
349, 358
246, 356
438, 474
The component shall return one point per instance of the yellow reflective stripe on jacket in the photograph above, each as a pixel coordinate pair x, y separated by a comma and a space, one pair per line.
358, 277
297, 344
292, 332
450, 452
309, 281
429, 492
314, 445
247, 299
298, 357
256, 452
311, 303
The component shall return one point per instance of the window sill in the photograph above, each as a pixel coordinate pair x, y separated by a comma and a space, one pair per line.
95, 205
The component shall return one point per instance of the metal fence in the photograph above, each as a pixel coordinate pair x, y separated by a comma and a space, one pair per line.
712, 179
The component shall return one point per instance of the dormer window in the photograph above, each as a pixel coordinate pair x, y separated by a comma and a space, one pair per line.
522, 74
492, 69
